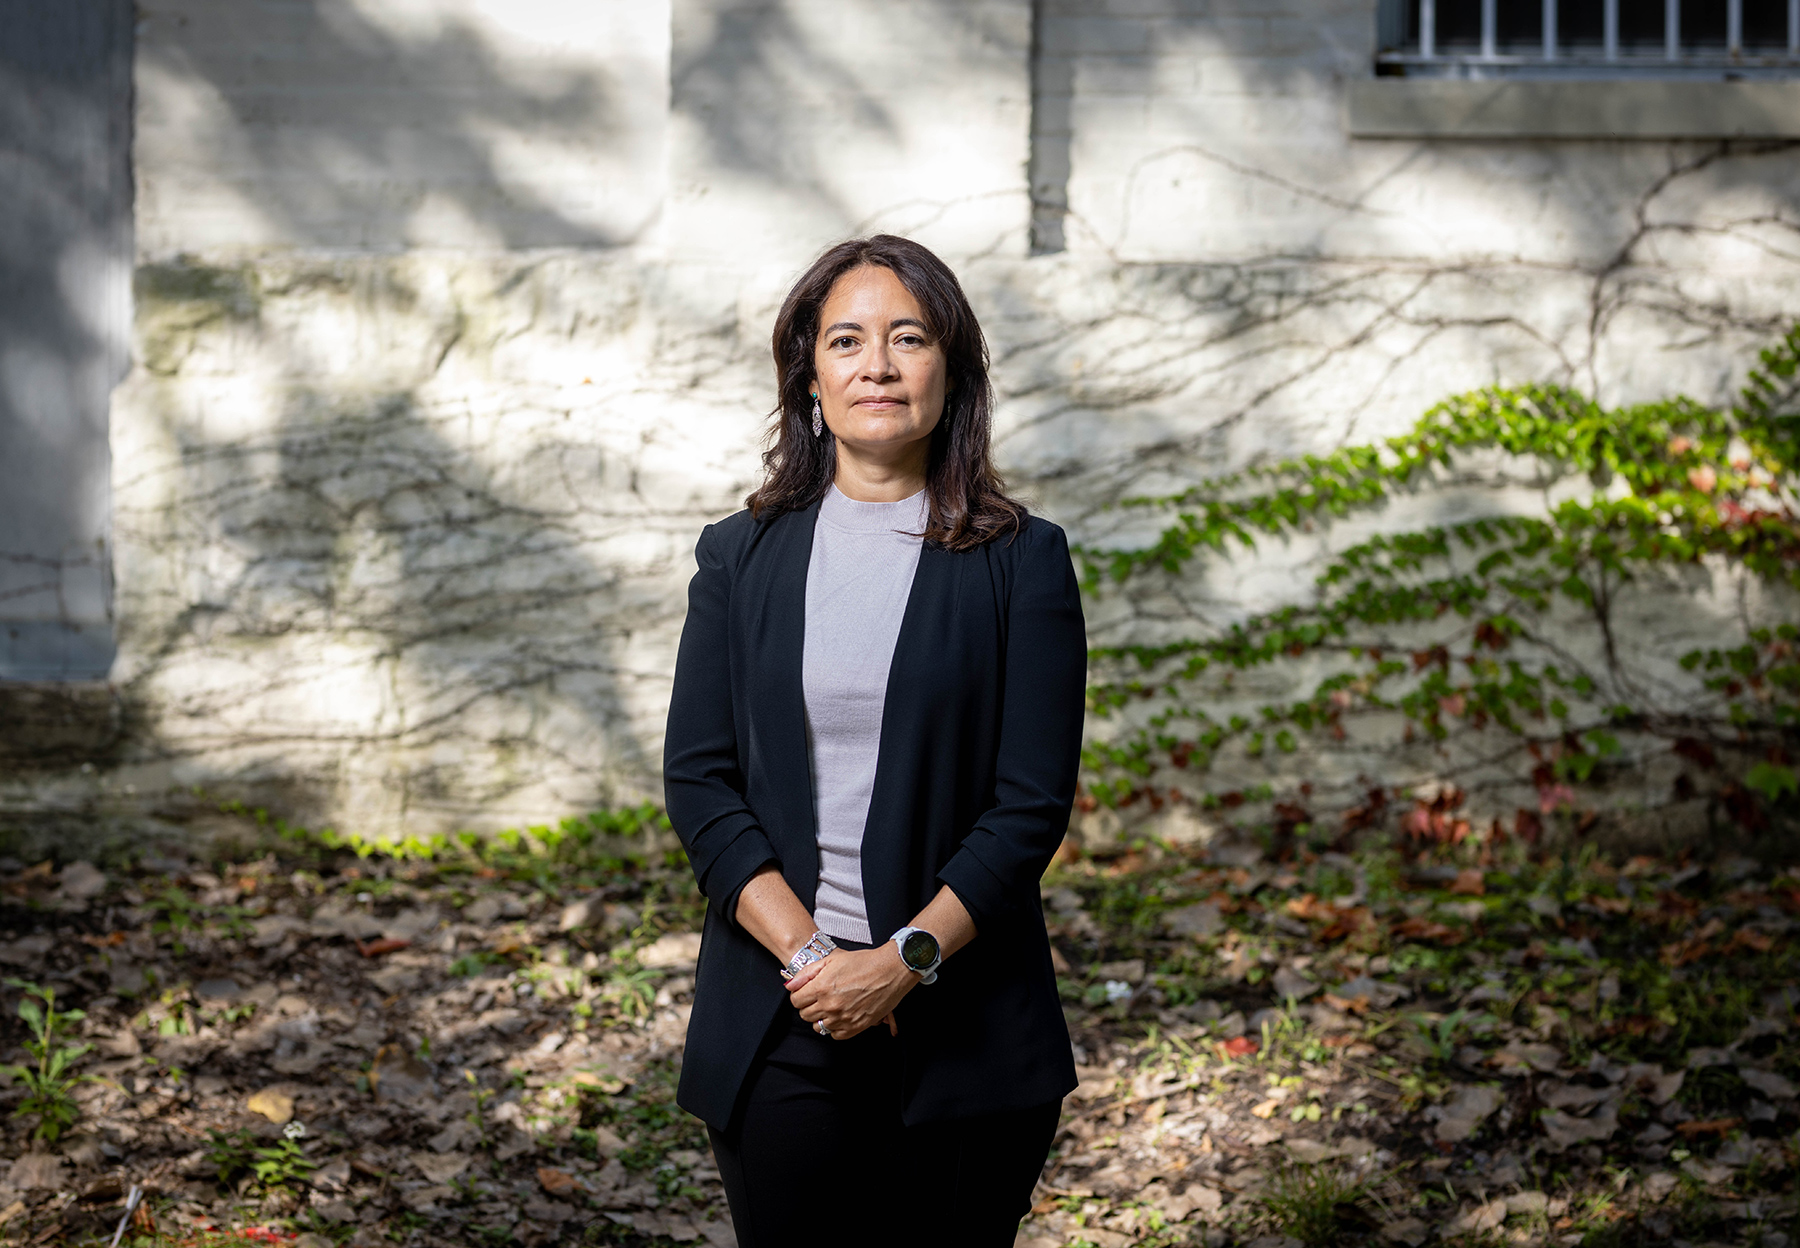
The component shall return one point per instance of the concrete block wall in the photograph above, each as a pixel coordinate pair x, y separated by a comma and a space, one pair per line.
452, 329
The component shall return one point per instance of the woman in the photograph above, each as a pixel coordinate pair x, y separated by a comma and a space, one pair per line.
871, 756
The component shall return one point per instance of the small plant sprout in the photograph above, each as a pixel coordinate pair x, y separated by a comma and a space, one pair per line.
1439, 1035
278, 1167
630, 988
1317, 1205
176, 919
475, 1116
49, 1086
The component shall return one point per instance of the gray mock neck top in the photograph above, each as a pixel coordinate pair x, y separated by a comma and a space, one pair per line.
858, 581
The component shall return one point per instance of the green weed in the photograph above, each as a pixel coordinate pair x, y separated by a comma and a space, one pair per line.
177, 918
629, 988
1437, 1035
49, 1086
278, 1167
1714, 1090
474, 962
477, 1117
1317, 1204
1286, 1040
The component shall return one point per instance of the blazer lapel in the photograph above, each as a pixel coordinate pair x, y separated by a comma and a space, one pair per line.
926, 642
778, 711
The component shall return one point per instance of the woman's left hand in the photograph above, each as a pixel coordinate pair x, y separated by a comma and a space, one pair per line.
852, 990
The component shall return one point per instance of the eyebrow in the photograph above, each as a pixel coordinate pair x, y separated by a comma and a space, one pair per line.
905, 320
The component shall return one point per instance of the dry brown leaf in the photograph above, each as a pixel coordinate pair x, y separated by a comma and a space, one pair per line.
1750, 938
277, 1107
1470, 882
557, 1182
1417, 928
1681, 952
1309, 906
1349, 922
609, 1084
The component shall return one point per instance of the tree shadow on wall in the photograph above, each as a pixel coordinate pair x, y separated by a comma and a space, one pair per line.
399, 608
338, 131
65, 238
790, 97
371, 619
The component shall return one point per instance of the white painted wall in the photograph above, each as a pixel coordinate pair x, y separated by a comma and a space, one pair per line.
795, 124
453, 318
386, 124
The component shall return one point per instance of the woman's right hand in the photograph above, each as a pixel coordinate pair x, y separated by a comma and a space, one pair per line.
852, 981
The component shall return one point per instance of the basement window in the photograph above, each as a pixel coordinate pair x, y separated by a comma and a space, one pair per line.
1703, 40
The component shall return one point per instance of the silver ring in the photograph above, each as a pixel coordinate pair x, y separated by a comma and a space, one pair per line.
822, 1029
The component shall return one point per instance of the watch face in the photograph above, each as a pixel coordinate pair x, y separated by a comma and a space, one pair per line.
919, 950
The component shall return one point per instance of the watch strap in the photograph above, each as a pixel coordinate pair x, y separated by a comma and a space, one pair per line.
926, 974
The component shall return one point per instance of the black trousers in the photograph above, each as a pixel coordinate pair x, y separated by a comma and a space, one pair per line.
816, 1153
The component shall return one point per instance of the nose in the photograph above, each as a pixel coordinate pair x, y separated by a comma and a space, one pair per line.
878, 364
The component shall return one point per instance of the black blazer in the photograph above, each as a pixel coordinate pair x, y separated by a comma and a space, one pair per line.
980, 741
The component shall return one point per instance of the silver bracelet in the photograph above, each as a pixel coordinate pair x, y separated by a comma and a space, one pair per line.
812, 951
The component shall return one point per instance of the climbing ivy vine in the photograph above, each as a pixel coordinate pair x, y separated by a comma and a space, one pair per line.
1507, 625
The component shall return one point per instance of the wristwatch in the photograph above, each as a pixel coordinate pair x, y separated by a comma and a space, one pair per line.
919, 950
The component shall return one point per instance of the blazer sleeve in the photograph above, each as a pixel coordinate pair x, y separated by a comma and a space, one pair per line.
703, 786
997, 869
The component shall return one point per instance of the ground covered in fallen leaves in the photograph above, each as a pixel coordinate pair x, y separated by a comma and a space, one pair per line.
1475, 1044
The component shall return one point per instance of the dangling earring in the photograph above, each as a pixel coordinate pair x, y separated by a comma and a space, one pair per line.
818, 418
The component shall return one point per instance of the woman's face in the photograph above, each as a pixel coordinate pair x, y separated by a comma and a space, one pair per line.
879, 374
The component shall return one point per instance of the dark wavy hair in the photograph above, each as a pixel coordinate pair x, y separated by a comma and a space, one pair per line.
968, 500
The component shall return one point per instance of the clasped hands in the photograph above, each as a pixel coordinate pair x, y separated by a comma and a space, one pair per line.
851, 990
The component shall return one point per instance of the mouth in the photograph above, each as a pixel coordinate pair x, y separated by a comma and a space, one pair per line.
879, 403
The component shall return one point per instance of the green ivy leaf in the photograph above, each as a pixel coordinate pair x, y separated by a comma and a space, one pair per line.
1772, 780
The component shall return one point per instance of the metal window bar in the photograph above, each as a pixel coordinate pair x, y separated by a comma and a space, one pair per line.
1554, 48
